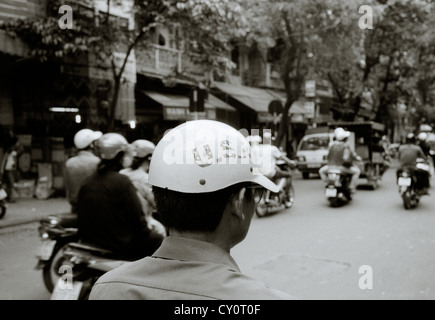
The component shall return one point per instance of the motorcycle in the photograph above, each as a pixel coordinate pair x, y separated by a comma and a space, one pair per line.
82, 264
55, 232
3, 196
337, 189
407, 183
274, 202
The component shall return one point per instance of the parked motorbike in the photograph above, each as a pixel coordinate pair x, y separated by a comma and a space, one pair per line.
407, 183
337, 189
55, 232
81, 266
275, 202
3, 196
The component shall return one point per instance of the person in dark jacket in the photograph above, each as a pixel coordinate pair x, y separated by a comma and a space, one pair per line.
409, 155
109, 210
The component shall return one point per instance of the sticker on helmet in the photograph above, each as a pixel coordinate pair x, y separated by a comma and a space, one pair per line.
226, 153
203, 155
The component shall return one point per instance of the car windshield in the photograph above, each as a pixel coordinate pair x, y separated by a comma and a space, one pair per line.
315, 143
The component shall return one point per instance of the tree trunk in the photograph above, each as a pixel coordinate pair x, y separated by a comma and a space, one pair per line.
112, 107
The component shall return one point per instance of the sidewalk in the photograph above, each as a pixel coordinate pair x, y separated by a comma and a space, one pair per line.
31, 210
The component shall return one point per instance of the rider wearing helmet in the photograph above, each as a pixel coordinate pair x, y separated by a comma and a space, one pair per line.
422, 142
109, 210
341, 155
267, 156
81, 167
138, 174
206, 192
409, 153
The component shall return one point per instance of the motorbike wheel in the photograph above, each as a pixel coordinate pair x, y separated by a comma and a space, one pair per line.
334, 202
2, 209
261, 210
407, 200
50, 272
291, 198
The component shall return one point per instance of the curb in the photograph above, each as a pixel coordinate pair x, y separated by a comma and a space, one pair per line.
6, 224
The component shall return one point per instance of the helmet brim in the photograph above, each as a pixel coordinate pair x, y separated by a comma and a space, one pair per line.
97, 135
265, 183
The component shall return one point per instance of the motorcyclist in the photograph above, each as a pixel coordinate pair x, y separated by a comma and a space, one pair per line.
80, 168
206, 194
341, 155
138, 174
409, 153
267, 156
424, 145
109, 210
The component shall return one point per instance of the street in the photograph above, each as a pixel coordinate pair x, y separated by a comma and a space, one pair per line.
311, 251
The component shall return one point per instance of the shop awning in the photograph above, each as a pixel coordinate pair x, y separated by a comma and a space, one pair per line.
176, 107
255, 98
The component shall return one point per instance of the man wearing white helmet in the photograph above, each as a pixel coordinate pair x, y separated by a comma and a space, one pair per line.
267, 155
422, 142
81, 167
341, 155
109, 210
138, 174
206, 192
409, 153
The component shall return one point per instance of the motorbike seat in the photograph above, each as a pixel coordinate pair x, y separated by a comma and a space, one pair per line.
64, 219
90, 247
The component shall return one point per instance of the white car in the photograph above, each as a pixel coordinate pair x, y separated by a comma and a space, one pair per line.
312, 152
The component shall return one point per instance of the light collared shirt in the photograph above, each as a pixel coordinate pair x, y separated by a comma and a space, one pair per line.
183, 269
78, 170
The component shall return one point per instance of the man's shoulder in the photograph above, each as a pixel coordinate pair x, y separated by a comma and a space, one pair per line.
82, 158
161, 278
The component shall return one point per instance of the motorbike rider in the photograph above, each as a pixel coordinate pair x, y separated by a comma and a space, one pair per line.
341, 155
109, 210
206, 194
409, 153
138, 174
80, 168
267, 156
424, 145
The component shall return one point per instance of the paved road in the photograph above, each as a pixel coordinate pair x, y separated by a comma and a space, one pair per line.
313, 251
310, 251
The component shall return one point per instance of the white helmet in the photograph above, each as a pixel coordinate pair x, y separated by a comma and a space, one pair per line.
203, 156
422, 136
142, 148
254, 139
84, 137
341, 134
110, 144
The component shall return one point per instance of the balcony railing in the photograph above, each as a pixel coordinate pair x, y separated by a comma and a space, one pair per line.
165, 61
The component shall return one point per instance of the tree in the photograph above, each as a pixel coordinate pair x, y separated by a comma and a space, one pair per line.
307, 33
207, 25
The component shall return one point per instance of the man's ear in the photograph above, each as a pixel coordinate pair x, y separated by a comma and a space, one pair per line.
237, 201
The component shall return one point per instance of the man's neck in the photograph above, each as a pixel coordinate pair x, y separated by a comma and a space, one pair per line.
210, 237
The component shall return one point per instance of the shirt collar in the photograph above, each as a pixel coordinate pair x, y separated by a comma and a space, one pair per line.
186, 249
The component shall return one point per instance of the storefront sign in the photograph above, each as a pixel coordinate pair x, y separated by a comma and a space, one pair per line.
183, 114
